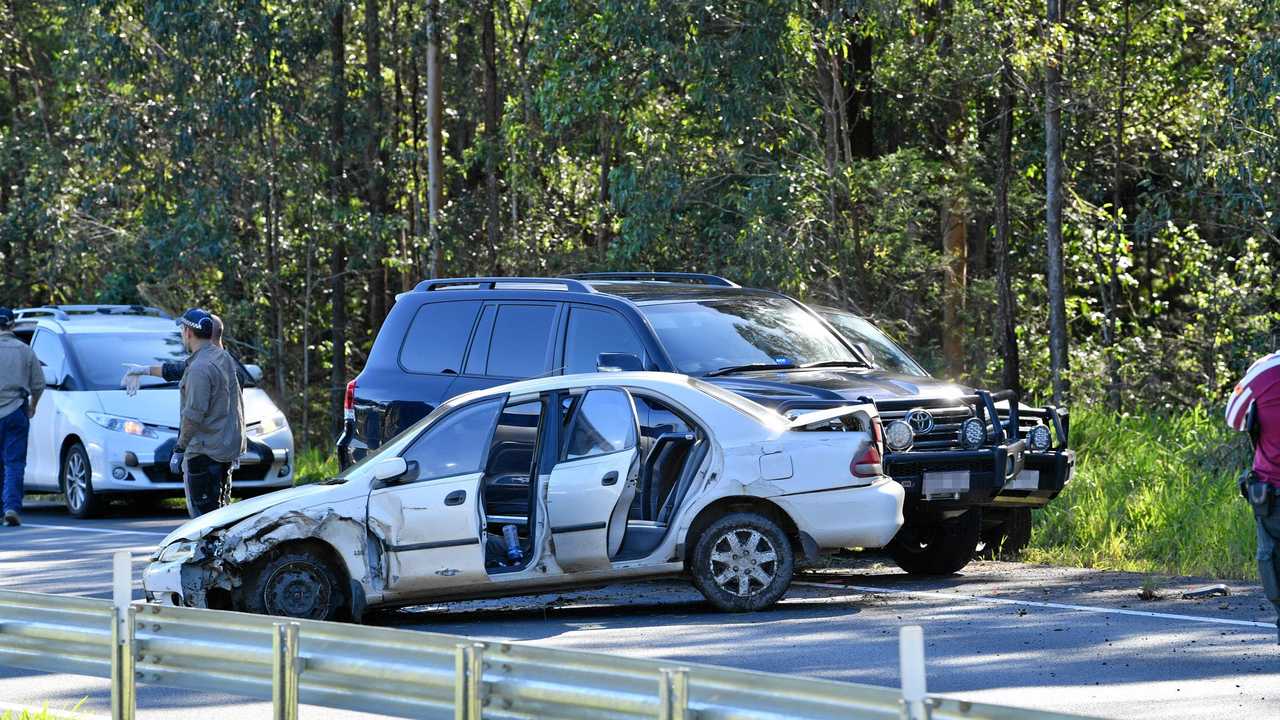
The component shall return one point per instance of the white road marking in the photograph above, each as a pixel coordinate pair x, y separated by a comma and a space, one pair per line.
103, 531
1033, 603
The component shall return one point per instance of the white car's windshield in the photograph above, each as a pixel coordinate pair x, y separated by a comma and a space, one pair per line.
102, 356
744, 332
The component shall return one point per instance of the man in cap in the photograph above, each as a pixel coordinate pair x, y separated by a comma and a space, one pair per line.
211, 433
21, 383
1255, 407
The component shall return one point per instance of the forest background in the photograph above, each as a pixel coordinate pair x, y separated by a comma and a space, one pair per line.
269, 160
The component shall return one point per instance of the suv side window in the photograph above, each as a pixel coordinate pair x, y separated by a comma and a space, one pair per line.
457, 444
522, 335
593, 331
603, 422
48, 350
437, 337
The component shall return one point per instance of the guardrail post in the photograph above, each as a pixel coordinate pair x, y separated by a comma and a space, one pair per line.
124, 703
469, 665
915, 701
284, 672
673, 694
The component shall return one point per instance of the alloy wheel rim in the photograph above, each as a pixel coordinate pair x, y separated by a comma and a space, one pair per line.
297, 589
76, 480
743, 562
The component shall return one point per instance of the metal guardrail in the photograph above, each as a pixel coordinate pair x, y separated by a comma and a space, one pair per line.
408, 673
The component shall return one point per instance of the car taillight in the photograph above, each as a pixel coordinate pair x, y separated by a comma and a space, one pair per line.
867, 466
877, 434
349, 402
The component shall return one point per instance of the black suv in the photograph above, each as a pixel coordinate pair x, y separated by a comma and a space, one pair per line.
961, 454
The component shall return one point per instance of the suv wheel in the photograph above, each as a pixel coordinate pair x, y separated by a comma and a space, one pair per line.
1007, 538
77, 483
297, 581
743, 562
938, 549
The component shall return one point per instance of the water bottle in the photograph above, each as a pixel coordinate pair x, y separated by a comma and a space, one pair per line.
514, 554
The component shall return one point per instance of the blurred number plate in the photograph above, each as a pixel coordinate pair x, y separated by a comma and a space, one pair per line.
1026, 480
936, 483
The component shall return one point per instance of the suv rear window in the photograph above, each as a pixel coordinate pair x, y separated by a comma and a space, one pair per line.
438, 336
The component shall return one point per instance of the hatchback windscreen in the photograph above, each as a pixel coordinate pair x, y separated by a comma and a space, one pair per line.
102, 356
884, 351
744, 332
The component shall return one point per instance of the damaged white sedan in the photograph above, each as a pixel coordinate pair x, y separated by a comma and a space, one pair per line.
547, 484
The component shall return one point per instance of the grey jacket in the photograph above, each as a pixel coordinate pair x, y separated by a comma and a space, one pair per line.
20, 375
212, 406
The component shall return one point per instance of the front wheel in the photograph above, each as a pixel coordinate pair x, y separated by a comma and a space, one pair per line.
295, 582
1008, 538
77, 483
940, 548
743, 562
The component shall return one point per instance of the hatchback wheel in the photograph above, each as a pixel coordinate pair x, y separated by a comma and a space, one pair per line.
77, 483
296, 582
743, 562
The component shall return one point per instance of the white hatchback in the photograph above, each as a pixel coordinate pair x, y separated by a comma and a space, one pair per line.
558, 482
90, 441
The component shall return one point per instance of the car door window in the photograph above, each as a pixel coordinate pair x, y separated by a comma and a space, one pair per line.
457, 443
603, 422
437, 337
591, 332
48, 350
521, 338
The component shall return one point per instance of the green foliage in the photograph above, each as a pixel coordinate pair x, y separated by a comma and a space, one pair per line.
1152, 493
314, 464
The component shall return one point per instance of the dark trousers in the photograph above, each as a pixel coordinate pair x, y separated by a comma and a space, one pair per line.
13, 456
1267, 516
208, 484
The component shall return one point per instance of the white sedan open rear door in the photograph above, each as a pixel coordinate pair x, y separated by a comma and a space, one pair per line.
590, 490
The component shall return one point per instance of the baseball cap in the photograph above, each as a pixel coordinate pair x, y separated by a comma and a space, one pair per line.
200, 322
6, 317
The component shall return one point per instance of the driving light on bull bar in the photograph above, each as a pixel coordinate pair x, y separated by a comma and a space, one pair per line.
899, 436
973, 432
179, 551
1039, 438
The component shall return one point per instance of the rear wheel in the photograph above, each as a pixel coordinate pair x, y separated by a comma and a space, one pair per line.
1007, 538
940, 548
77, 483
295, 581
742, 562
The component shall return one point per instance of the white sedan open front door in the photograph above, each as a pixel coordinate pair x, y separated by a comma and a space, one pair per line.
430, 522
591, 488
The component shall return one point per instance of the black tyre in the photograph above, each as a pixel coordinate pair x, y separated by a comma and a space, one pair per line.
1007, 538
295, 581
742, 562
937, 549
76, 480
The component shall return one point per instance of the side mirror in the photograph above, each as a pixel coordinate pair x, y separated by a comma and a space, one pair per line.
395, 469
255, 373
618, 362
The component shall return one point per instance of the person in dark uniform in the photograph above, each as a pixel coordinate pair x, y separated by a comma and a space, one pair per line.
1254, 407
21, 384
211, 435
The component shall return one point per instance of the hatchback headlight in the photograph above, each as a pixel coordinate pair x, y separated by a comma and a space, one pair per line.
269, 425
129, 426
180, 551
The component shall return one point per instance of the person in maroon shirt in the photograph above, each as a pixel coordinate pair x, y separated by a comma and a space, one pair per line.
1254, 407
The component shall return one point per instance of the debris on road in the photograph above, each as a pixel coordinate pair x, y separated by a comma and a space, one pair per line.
1207, 591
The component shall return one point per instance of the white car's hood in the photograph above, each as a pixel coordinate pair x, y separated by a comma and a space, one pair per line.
162, 406
299, 497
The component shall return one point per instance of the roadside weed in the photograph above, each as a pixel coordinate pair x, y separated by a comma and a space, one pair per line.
314, 465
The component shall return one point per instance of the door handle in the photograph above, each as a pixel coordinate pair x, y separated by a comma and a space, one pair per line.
457, 497
610, 478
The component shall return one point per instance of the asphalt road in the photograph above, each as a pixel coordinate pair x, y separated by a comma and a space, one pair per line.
1054, 638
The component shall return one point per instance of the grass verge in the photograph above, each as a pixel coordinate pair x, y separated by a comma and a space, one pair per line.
1154, 493
314, 465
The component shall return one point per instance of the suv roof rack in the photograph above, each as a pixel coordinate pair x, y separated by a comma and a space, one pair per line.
673, 277
64, 312
504, 283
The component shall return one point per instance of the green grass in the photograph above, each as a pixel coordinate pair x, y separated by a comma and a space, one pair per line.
1151, 493
313, 465
43, 714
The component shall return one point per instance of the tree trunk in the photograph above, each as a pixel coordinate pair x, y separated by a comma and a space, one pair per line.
1053, 208
605, 150
492, 119
373, 157
1011, 372
435, 154
955, 252
858, 90
338, 259
1111, 306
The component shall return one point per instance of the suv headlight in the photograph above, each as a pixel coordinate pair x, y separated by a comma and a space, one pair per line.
269, 425
180, 551
129, 426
